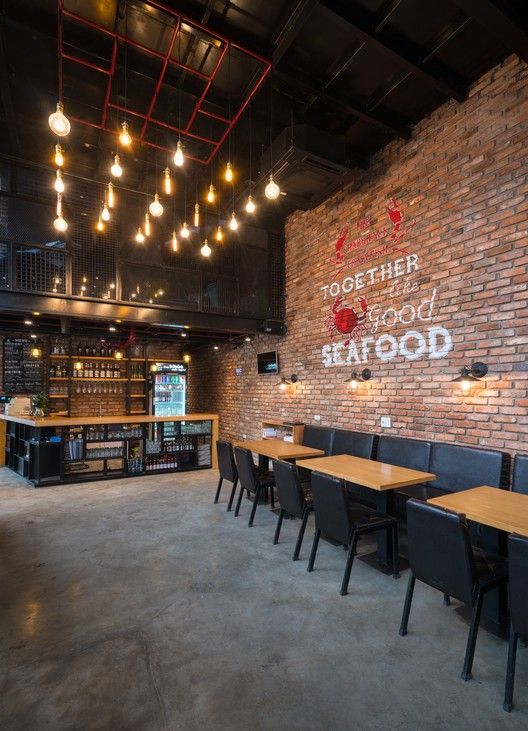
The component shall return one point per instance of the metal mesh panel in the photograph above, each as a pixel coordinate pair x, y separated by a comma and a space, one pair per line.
40, 270
140, 283
277, 275
219, 295
4, 266
253, 281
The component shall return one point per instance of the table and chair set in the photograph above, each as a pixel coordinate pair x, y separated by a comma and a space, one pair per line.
466, 520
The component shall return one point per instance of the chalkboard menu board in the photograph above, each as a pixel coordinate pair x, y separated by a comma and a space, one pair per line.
22, 372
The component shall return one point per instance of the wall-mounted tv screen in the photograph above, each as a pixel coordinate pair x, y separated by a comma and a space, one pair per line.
268, 362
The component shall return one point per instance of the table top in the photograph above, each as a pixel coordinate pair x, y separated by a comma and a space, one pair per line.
279, 449
367, 472
491, 506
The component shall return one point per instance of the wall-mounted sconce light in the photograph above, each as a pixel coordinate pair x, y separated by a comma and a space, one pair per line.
77, 366
36, 352
284, 382
356, 378
118, 354
469, 375
186, 358
153, 368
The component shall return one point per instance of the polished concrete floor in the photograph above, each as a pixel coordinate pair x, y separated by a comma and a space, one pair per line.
141, 605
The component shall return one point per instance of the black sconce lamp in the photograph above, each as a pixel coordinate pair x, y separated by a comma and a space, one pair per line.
356, 378
469, 375
284, 383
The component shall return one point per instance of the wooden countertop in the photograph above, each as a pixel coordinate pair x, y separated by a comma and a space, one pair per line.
491, 506
366, 472
89, 420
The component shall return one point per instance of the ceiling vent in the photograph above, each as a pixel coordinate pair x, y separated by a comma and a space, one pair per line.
308, 164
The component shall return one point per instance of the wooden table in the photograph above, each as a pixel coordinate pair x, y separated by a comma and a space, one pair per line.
501, 509
279, 449
380, 477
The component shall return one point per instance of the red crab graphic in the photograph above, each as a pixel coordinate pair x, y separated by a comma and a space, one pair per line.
343, 319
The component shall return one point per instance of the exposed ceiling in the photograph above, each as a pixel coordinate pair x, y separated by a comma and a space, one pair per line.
366, 70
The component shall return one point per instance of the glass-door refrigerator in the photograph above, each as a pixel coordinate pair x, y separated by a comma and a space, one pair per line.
168, 389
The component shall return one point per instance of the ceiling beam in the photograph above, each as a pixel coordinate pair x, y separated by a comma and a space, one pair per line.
291, 26
398, 48
387, 122
499, 19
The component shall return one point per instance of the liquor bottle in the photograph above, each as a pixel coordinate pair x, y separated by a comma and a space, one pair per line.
96, 371
52, 371
103, 351
86, 349
79, 348
94, 351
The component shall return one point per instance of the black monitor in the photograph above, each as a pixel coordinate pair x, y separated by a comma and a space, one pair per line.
268, 363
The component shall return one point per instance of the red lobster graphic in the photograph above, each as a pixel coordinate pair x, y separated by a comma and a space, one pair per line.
396, 217
344, 320
340, 244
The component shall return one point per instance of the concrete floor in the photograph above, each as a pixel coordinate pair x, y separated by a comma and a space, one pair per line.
141, 605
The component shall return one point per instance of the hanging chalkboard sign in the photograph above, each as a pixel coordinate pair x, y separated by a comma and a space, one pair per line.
22, 372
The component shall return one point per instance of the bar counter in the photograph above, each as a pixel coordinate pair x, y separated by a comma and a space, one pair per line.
54, 450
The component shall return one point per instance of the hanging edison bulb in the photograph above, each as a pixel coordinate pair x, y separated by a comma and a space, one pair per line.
58, 122
206, 249
219, 235
105, 213
140, 237
60, 223
99, 225
167, 181
272, 190
250, 205
110, 195
229, 173
196, 215
178, 155
184, 231
233, 223
155, 208
116, 168
59, 157
174, 242
124, 136
211, 194
147, 224
59, 182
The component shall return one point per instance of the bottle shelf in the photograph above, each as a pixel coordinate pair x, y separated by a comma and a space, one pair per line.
58, 378
109, 358
137, 379
59, 357
106, 380
138, 395
59, 395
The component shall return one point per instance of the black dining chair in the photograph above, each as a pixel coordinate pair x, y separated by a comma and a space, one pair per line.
520, 474
338, 517
518, 568
293, 500
441, 555
227, 469
251, 480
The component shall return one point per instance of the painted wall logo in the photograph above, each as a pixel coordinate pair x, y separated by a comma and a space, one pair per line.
360, 322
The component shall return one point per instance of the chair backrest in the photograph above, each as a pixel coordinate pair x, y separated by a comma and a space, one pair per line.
459, 468
247, 471
520, 474
440, 551
412, 453
318, 437
226, 461
518, 570
356, 443
288, 486
331, 507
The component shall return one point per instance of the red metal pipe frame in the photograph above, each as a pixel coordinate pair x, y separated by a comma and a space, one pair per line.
166, 61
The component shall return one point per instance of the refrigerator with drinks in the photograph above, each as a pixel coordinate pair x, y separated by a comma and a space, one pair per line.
168, 389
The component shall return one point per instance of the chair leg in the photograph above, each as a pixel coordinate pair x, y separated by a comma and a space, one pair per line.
239, 500
278, 528
447, 600
300, 537
315, 543
233, 492
254, 508
395, 555
472, 636
272, 497
218, 489
407, 604
349, 562
510, 671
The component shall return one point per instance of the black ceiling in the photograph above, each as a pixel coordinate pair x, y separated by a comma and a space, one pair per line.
364, 69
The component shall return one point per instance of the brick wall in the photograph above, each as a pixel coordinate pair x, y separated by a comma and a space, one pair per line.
463, 179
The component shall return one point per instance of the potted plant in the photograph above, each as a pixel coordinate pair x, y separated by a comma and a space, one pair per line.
39, 404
